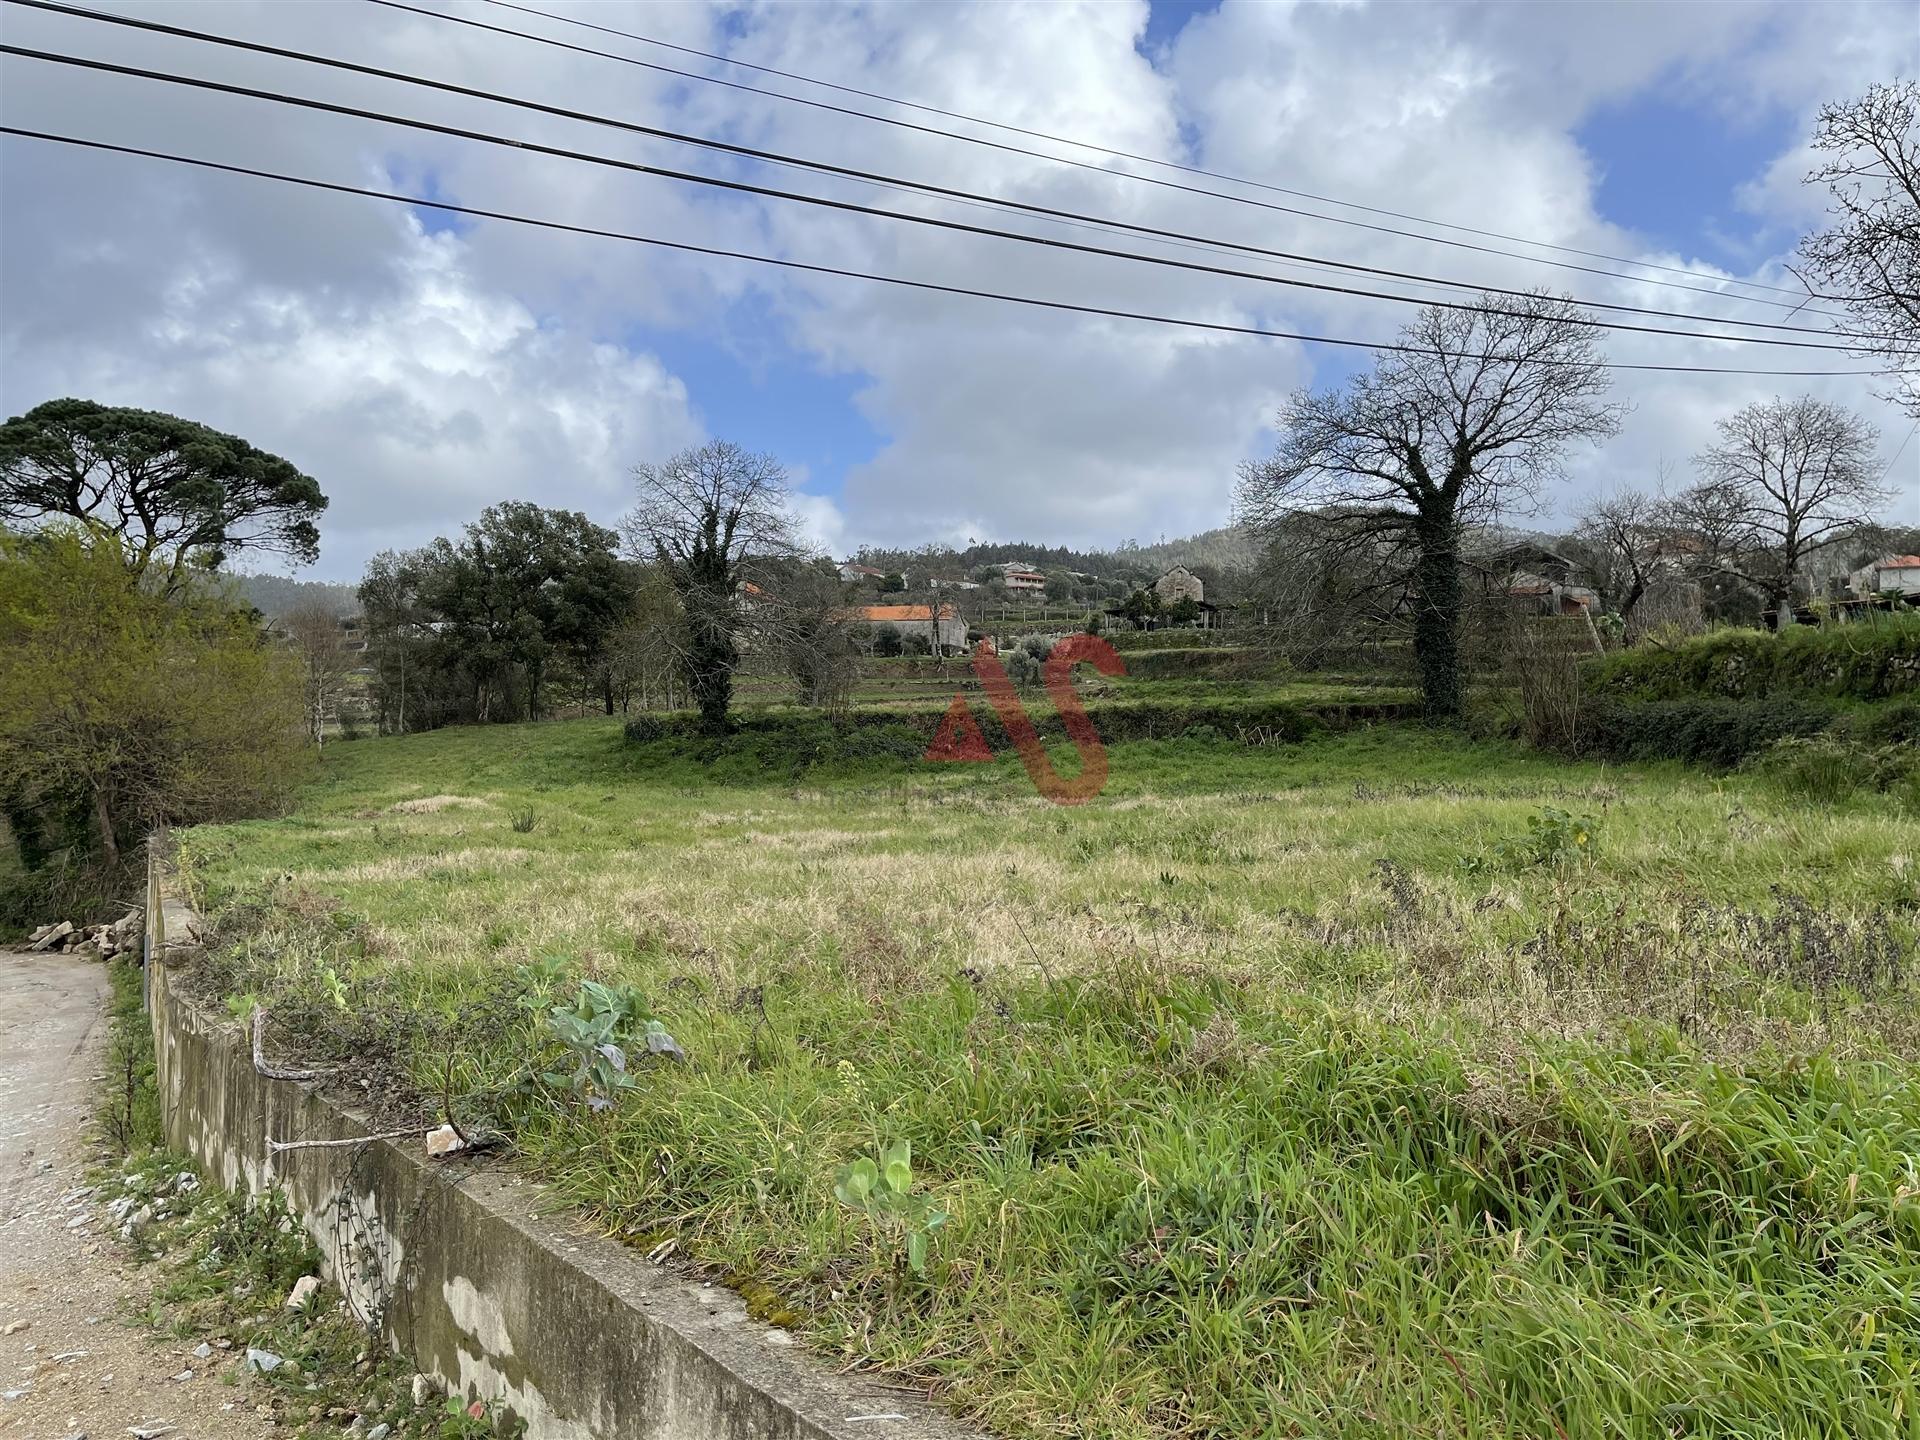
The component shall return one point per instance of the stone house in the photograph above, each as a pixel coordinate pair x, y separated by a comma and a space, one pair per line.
1179, 584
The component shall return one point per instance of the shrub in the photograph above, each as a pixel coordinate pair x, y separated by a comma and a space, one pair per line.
1871, 661
124, 705
643, 727
1701, 732
1832, 767
1895, 723
887, 641
1022, 668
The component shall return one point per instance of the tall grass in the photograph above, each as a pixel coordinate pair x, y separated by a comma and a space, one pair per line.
1276, 1092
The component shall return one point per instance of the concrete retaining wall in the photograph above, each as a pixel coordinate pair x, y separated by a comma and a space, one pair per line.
454, 1264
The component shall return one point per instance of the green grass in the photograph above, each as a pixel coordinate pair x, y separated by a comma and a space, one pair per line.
1326, 1088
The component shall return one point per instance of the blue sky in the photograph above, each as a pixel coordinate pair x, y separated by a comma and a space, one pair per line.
1672, 170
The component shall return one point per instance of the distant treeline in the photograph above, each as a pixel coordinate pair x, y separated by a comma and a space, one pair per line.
1225, 549
277, 596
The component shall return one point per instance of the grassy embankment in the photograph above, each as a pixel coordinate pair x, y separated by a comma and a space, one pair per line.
1338, 1087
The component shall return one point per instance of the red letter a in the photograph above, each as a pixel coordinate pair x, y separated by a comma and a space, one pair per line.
959, 739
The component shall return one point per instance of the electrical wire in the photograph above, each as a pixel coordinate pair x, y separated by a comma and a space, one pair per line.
1102, 169
1076, 219
906, 217
1037, 302
1111, 150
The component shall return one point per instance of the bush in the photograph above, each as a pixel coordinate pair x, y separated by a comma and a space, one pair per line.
1868, 661
1895, 723
643, 727
1023, 669
784, 745
1125, 640
1701, 732
1832, 767
123, 706
887, 641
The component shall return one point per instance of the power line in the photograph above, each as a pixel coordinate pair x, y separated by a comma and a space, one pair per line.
847, 206
1075, 218
1037, 302
1111, 150
1097, 169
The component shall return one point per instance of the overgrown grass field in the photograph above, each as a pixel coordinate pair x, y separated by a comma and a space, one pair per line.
1381, 1084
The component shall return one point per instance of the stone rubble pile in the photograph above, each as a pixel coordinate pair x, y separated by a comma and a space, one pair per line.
90, 942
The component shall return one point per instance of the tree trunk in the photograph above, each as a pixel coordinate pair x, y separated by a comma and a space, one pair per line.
1436, 623
1632, 598
103, 821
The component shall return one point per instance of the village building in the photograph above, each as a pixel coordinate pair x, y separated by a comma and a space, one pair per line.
1179, 584
1538, 581
949, 631
1890, 574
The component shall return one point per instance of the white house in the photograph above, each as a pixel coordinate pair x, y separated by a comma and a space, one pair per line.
853, 572
918, 620
1898, 573
1024, 580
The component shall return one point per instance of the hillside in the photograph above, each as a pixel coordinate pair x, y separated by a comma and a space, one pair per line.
278, 595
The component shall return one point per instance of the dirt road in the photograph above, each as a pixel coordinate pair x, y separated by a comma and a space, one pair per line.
69, 1362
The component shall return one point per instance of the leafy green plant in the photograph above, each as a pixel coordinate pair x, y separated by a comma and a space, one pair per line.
599, 1028
1554, 839
882, 1191
477, 1420
241, 1007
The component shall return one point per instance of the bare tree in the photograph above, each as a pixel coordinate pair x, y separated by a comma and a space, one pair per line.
1788, 478
648, 649
1463, 425
800, 617
1869, 261
1632, 538
315, 635
700, 516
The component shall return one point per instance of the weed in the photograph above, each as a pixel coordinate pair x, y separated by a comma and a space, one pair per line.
598, 1029
1554, 839
883, 1192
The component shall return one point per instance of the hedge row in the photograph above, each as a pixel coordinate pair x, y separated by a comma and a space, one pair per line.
1873, 661
1125, 640
776, 743
1725, 733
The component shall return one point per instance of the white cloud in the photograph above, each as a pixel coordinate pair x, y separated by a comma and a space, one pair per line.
421, 377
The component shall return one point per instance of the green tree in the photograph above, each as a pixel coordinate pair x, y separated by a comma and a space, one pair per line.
123, 706
524, 587
178, 494
701, 515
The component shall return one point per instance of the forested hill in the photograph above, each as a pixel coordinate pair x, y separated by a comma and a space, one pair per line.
1227, 548
278, 595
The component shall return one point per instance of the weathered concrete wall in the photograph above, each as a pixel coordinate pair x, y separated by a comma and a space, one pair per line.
578, 1335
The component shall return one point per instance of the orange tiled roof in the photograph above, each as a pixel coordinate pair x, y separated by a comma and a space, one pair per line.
881, 614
